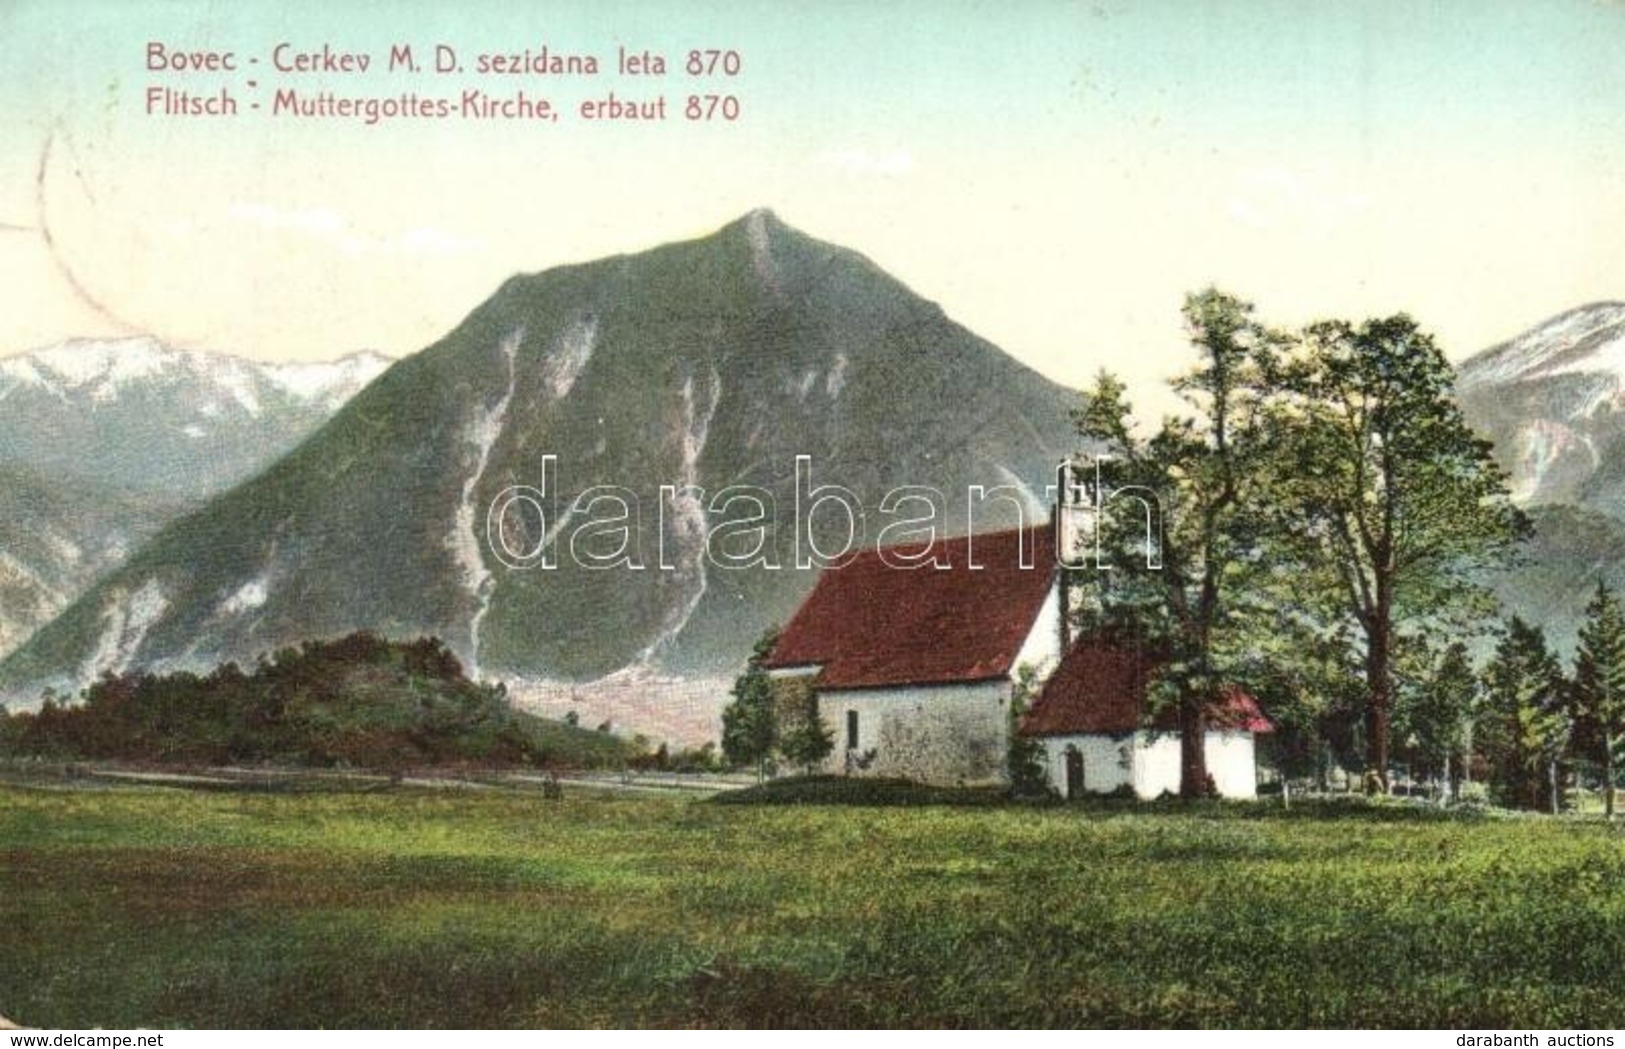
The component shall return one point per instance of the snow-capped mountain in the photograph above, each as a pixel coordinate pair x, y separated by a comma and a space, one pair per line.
100, 368
104, 442
182, 423
1586, 340
1553, 401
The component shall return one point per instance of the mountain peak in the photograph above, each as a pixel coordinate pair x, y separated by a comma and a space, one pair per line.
1588, 339
743, 357
761, 225
80, 361
99, 369
764, 232
1552, 400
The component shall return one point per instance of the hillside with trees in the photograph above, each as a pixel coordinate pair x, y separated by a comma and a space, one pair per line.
359, 701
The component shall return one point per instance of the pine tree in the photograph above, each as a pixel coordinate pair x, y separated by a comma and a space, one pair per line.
1525, 725
1599, 682
1436, 714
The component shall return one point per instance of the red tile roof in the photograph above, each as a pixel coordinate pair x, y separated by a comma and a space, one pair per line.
1102, 686
869, 624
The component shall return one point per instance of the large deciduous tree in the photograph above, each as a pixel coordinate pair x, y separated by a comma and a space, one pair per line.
1382, 481
1173, 580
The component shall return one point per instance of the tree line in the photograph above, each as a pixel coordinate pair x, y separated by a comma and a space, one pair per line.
1530, 724
1326, 515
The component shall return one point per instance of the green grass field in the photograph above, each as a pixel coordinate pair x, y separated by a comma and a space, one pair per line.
421, 908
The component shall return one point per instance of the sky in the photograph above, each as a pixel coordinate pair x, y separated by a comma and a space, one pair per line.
1056, 175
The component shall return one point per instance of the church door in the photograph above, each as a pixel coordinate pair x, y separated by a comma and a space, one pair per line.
1074, 773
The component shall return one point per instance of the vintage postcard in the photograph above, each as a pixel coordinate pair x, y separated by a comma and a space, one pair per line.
1064, 514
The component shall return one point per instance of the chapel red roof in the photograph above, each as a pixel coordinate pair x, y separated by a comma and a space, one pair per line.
1101, 686
871, 624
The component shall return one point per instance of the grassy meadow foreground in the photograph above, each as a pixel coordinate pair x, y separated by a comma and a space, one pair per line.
125, 907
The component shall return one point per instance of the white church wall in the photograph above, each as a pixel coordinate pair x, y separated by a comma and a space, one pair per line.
1233, 764
1149, 761
935, 734
1107, 762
